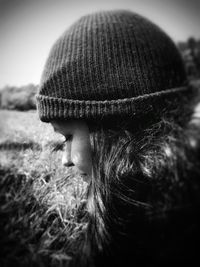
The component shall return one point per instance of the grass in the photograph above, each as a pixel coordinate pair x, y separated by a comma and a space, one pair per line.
42, 205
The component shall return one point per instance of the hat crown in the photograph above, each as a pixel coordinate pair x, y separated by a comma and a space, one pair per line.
112, 55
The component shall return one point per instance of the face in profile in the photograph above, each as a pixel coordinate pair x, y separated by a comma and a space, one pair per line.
77, 147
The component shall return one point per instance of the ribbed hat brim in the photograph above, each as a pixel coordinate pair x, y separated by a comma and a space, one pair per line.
51, 108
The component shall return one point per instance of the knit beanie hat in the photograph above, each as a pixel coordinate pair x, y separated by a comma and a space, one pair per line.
107, 64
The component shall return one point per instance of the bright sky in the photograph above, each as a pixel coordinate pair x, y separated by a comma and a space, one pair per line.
28, 28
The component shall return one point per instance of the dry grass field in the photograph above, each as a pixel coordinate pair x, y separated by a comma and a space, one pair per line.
42, 210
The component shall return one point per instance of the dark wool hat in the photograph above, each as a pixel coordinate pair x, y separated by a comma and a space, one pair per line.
110, 63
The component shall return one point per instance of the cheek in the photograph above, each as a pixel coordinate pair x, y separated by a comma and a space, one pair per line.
81, 153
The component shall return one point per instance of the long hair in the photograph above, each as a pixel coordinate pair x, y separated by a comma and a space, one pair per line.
144, 198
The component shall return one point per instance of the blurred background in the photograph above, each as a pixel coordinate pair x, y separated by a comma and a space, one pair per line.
35, 229
28, 28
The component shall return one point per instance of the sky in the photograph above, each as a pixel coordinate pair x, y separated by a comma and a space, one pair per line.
28, 28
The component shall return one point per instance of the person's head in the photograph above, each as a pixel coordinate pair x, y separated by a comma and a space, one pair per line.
115, 86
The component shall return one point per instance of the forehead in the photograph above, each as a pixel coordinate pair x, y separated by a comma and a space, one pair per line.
60, 125
68, 126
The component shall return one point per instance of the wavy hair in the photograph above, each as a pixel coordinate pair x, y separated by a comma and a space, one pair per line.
144, 198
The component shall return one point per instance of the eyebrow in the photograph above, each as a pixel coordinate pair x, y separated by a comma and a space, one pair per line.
67, 136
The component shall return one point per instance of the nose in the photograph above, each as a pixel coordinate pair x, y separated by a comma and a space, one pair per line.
67, 163
66, 157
